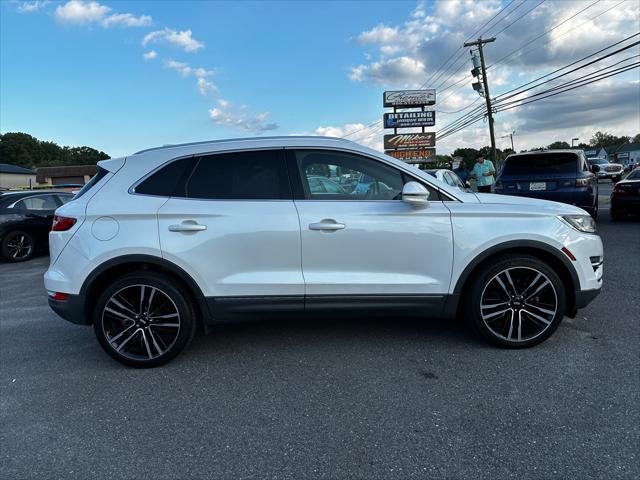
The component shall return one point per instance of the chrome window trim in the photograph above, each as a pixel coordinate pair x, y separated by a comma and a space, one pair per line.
34, 196
132, 188
376, 159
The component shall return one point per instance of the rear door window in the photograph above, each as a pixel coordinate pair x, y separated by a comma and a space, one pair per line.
546, 163
248, 175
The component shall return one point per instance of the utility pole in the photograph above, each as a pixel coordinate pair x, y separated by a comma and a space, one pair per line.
573, 140
479, 43
510, 135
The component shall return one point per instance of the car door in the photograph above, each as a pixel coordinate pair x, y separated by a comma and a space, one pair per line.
366, 243
38, 211
232, 225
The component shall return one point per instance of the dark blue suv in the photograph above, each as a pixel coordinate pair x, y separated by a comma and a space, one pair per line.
558, 175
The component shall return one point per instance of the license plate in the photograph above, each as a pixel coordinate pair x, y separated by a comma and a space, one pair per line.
538, 186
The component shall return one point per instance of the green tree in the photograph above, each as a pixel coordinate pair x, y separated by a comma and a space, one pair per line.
558, 145
605, 139
24, 150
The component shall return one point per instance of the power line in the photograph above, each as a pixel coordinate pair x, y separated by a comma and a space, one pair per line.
569, 65
528, 42
519, 18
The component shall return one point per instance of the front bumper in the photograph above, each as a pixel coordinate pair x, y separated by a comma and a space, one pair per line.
585, 297
72, 309
602, 174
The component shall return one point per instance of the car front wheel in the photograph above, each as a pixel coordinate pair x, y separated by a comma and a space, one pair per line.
516, 302
144, 320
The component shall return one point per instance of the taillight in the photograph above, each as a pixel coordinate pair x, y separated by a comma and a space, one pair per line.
62, 224
582, 182
619, 191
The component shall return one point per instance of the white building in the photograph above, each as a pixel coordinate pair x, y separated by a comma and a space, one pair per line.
12, 176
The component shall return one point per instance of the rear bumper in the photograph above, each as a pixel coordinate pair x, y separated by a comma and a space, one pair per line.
626, 204
72, 309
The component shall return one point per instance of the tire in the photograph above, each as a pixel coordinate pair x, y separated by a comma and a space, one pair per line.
593, 211
616, 179
127, 332
529, 276
617, 215
18, 246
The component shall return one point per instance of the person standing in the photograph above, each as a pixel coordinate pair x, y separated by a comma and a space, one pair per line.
462, 172
484, 171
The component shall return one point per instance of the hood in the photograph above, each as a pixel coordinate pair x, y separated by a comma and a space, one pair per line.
534, 203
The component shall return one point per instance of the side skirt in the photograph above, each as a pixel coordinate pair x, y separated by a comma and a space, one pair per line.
238, 309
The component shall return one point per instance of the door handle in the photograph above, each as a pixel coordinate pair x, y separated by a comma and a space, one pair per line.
187, 227
327, 225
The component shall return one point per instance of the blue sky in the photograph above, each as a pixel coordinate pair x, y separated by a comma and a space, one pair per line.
74, 72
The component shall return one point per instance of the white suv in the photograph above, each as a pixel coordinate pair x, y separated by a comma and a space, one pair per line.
175, 237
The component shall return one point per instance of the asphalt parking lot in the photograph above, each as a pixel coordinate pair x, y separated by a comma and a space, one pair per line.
385, 398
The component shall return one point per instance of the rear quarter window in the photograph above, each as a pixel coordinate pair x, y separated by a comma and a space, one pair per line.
551, 163
91, 183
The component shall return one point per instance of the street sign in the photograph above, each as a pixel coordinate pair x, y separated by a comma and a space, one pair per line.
409, 140
409, 119
416, 155
409, 98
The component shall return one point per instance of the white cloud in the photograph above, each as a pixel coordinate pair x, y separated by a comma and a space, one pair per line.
204, 86
126, 20
150, 55
183, 39
79, 12
226, 116
33, 6
368, 135
405, 71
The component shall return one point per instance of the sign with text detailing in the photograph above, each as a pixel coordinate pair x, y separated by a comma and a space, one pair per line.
409, 140
409, 98
415, 155
409, 119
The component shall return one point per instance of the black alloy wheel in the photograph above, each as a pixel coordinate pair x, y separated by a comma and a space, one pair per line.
517, 302
144, 320
18, 246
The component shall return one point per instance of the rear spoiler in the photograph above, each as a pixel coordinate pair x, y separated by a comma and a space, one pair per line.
113, 164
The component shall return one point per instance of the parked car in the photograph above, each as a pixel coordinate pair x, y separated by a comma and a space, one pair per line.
612, 171
558, 175
173, 237
448, 177
319, 185
625, 197
25, 221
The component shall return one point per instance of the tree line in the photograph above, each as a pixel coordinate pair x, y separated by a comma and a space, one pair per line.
599, 139
27, 151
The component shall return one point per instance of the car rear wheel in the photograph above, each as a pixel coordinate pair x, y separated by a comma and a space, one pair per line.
617, 215
17, 246
144, 320
594, 210
516, 302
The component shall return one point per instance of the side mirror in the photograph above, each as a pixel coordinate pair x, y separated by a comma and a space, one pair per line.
595, 168
415, 195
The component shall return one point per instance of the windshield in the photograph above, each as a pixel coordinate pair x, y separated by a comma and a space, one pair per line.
553, 163
635, 175
597, 161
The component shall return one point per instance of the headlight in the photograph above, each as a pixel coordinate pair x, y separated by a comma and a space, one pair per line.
582, 223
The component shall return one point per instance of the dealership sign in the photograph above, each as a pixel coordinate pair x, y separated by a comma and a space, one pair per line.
409, 98
415, 155
409, 119
409, 140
